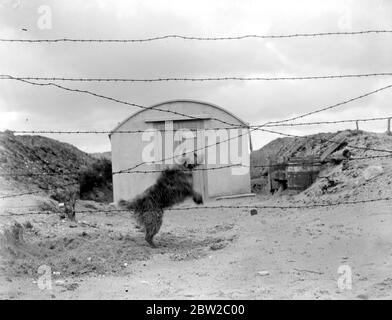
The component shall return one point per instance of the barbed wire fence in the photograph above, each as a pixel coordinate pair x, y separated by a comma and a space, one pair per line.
131, 169
254, 128
251, 128
221, 207
197, 130
32, 174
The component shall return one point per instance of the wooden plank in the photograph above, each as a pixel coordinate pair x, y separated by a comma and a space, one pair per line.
235, 196
332, 148
179, 118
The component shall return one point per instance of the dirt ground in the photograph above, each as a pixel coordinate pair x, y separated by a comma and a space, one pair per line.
205, 254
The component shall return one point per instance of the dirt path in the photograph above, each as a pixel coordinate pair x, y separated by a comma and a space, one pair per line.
206, 254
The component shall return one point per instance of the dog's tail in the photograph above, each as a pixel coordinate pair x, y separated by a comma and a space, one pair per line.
124, 204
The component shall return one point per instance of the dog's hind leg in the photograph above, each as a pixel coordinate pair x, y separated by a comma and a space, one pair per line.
149, 238
197, 198
153, 226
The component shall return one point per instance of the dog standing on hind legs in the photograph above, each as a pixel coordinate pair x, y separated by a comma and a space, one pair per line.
173, 186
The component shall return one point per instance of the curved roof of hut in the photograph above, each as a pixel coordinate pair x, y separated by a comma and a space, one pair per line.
174, 101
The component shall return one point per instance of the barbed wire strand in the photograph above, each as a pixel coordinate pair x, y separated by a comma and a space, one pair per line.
221, 207
38, 191
118, 101
199, 79
325, 140
288, 164
198, 38
331, 106
326, 122
195, 130
138, 171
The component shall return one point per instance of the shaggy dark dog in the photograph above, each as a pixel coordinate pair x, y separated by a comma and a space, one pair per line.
173, 186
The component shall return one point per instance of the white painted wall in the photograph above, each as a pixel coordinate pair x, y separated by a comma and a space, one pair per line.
127, 152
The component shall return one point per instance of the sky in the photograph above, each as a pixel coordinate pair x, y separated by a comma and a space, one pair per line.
27, 107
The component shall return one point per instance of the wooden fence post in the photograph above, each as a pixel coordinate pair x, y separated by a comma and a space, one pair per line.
250, 141
389, 127
357, 125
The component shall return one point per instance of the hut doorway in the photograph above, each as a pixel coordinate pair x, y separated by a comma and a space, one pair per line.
180, 135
